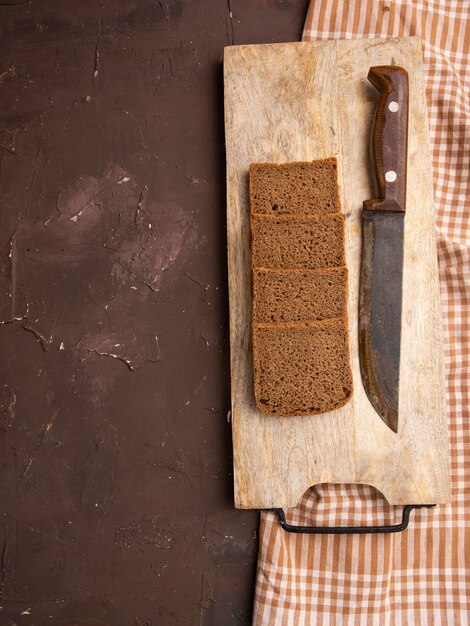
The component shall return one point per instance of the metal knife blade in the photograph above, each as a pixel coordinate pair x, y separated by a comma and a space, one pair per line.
381, 278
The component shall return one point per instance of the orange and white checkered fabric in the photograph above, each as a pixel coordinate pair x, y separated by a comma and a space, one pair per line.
420, 577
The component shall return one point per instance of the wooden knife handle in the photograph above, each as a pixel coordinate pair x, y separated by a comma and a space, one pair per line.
390, 137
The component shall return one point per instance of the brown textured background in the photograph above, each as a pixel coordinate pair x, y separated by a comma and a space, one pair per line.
116, 485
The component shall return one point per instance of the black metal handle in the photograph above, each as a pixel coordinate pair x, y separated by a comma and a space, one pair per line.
350, 530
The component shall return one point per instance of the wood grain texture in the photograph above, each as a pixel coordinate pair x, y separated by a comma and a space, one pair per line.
304, 101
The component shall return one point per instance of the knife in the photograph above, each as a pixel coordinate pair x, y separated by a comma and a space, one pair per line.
380, 296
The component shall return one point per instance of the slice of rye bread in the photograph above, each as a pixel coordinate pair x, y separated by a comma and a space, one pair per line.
294, 188
301, 369
299, 295
297, 242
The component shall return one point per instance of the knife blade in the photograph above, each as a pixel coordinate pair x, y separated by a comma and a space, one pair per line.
381, 276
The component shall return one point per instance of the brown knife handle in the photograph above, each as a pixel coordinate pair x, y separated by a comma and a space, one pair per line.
390, 137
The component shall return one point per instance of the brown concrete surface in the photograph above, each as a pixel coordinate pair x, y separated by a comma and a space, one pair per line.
116, 484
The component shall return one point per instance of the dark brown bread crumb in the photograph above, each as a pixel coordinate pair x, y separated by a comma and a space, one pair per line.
301, 369
294, 188
298, 243
299, 295
300, 337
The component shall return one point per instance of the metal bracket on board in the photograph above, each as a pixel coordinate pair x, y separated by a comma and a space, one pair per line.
350, 530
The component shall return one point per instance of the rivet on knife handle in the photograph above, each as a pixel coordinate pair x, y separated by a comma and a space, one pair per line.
380, 295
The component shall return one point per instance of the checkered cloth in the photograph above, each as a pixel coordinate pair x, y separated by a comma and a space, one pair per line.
420, 576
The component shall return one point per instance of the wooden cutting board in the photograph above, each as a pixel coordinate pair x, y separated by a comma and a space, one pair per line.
304, 101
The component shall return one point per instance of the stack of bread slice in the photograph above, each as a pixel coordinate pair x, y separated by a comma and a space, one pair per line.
300, 325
